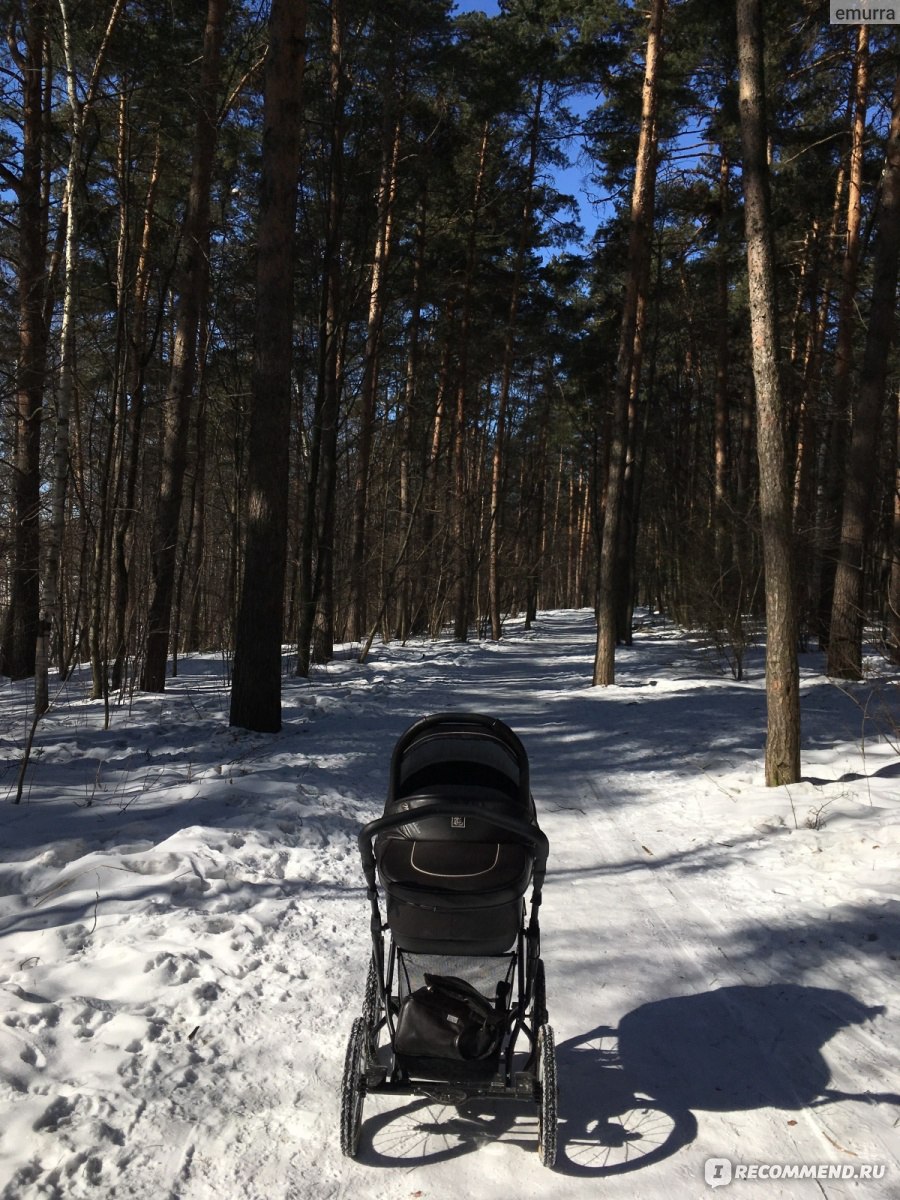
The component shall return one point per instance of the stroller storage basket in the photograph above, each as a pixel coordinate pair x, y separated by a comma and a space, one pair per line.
447, 1027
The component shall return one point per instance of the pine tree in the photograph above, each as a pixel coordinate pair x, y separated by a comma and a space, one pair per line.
782, 671
256, 682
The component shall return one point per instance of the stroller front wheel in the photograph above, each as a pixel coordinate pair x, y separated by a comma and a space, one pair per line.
548, 1095
353, 1087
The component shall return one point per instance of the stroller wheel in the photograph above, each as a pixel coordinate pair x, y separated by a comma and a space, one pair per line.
548, 1095
353, 1087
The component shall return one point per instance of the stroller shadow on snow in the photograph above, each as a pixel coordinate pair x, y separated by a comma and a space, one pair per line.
628, 1096
455, 1016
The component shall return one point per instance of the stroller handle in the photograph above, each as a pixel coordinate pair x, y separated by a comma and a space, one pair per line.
529, 833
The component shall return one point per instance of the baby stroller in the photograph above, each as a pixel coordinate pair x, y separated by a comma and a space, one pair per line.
455, 1003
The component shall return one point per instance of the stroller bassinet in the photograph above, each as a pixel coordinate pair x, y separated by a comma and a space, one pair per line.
458, 979
456, 881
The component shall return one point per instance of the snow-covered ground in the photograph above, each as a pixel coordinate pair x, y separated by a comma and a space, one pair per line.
184, 933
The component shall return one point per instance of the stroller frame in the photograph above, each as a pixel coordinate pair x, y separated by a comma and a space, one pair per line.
372, 1064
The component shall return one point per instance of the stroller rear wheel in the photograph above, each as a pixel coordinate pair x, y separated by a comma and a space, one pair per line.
548, 1095
353, 1087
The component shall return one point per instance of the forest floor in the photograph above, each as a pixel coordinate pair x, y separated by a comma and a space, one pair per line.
184, 933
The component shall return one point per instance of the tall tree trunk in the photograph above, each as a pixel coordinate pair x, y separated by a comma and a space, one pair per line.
190, 562
409, 415
720, 391
632, 478
316, 603
838, 425
428, 594
811, 425
193, 280
21, 629
128, 468
256, 681
730, 592
193, 639
536, 516
21, 623
893, 594
387, 192
111, 474
847, 614
79, 111
641, 223
782, 673
497, 463
462, 551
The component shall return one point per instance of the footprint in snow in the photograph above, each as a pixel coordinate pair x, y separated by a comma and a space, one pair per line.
208, 992
220, 925
59, 1113
89, 1020
32, 1057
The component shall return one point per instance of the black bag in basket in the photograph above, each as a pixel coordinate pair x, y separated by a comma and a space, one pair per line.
448, 1018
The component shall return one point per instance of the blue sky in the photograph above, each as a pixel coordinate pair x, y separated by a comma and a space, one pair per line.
486, 6
569, 180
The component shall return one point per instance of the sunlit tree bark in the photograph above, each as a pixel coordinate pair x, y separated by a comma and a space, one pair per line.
641, 221
782, 672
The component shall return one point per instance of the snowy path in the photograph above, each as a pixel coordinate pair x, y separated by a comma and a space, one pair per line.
183, 937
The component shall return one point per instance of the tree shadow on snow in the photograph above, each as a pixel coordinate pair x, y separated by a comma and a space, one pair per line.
628, 1096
